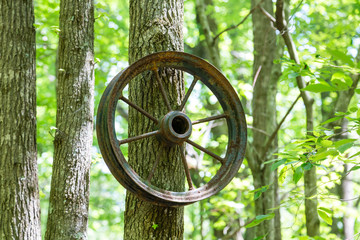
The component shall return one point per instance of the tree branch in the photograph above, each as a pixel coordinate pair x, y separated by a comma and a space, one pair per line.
312, 220
272, 137
281, 25
237, 25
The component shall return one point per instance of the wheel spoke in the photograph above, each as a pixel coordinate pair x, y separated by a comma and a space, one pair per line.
151, 174
145, 135
188, 93
139, 109
220, 159
187, 172
209, 119
162, 89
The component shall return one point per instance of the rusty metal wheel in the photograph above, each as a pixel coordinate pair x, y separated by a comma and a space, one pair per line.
174, 128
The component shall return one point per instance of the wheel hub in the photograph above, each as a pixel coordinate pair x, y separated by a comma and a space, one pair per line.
175, 127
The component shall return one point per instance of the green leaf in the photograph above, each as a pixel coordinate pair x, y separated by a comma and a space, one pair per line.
257, 195
154, 226
353, 109
354, 168
324, 154
339, 143
341, 81
345, 147
324, 215
293, 75
307, 166
259, 219
340, 113
326, 210
298, 174
319, 87
259, 191
304, 238
277, 164
220, 224
282, 174
357, 90
326, 143
339, 55
331, 120
356, 154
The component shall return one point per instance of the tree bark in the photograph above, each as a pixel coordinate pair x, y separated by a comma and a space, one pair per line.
155, 25
208, 27
19, 193
264, 115
341, 105
69, 196
312, 219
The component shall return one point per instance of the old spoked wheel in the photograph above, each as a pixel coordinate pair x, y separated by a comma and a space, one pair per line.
174, 128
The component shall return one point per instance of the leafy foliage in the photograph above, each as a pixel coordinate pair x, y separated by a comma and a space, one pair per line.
328, 38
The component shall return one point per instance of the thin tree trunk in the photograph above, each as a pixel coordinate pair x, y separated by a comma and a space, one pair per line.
312, 219
348, 193
19, 193
275, 75
341, 105
155, 25
264, 115
208, 27
69, 196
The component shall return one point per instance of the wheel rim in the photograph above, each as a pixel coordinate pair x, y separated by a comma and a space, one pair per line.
233, 114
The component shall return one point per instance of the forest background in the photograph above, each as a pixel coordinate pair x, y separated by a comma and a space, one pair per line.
326, 37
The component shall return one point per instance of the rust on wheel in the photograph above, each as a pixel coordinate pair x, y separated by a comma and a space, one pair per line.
173, 129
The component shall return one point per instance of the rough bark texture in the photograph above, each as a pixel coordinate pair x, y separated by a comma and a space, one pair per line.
69, 196
155, 25
264, 115
19, 193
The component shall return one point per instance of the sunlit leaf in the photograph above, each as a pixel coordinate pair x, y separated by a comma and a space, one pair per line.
339, 55
354, 168
307, 166
324, 215
298, 173
319, 87
277, 164
326, 143
331, 120
282, 174
259, 219
341, 81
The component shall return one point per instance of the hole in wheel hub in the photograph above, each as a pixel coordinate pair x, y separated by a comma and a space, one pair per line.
175, 128
180, 125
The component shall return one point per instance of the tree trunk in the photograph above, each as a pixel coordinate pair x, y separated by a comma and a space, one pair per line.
275, 76
208, 27
341, 105
19, 193
312, 219
264, 115
69, 196
155, 25
348, 193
